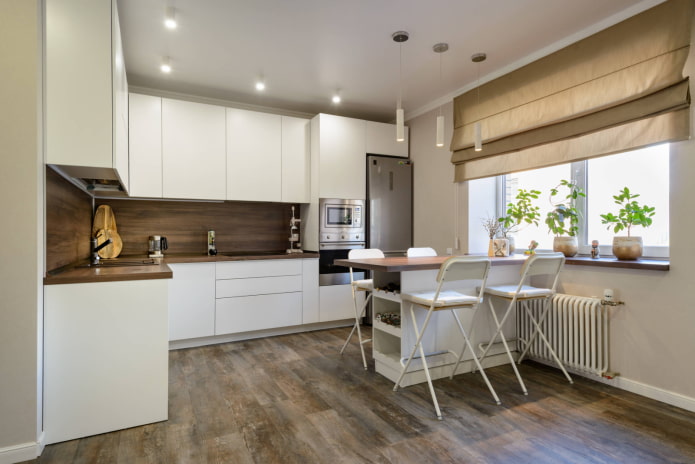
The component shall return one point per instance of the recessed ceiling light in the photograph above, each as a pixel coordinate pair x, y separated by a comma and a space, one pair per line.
260, 85
336, 98
165, 67
170, 18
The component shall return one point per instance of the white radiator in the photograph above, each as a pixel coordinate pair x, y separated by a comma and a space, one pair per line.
575, 326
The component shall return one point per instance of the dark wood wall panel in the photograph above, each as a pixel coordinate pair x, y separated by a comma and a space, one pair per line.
68, 222
239, 226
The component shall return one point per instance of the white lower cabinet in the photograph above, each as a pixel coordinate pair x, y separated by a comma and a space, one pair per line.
192, 301
106, 357
336, 303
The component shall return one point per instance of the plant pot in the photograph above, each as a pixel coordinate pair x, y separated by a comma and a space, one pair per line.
566, 245
627, 248
500, 247
490, 249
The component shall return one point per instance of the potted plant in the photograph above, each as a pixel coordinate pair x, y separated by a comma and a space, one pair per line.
492, 227
519, 214
563, 219
630, 214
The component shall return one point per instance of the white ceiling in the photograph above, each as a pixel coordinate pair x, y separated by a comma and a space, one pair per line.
307, 49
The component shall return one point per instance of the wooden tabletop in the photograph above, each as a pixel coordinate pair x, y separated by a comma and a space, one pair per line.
402, 263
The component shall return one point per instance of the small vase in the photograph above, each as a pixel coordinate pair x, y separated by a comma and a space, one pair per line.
512, 244
490, 249
500, 247
627, 248
568, 246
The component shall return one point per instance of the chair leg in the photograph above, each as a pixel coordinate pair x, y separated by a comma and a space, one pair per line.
358, 315
463, 350
504, 341
547, 344
467, 343
418, 345
546, 307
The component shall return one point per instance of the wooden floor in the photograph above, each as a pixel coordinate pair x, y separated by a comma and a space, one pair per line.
294, 399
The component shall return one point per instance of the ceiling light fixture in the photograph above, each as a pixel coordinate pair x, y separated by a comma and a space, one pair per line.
260, 85
477, 129
165, 67
170, 18
400, 37
336, 98
440, 48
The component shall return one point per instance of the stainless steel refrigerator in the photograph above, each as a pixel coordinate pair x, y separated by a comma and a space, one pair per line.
389, 204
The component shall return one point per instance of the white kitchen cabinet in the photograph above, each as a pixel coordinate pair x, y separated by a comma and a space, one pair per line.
105, 357
193, 150
381, 140
192, 301
296, 160
335, 303
340, 146
145, 146
86, 90
258, 295
254, 156
310, 291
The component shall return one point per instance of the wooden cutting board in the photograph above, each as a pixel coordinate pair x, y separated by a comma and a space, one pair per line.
103, 228
104, 219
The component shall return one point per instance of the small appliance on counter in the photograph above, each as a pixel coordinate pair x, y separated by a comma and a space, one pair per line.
295, 246
212, 248
157, 244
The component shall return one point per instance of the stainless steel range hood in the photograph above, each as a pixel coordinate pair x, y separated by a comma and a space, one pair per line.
95, 181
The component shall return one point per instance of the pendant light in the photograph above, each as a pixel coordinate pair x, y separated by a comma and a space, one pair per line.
400, 37
477, 129
440, 48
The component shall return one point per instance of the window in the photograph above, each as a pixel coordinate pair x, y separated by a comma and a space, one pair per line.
644, 171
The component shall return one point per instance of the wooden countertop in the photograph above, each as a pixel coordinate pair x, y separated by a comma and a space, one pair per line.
81, 273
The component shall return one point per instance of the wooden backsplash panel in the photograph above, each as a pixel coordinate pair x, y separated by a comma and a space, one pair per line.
68, 222
239, 226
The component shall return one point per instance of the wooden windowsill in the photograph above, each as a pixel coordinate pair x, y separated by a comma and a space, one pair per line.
642, 263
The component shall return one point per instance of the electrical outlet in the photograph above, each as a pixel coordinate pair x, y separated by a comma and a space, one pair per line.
449, 251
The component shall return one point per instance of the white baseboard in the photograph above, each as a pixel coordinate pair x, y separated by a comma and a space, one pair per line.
655, 393
19, 453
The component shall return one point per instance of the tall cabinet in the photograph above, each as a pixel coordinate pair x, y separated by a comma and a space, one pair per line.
86, 90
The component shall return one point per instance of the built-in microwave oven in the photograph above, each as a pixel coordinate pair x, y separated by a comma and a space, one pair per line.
341, 220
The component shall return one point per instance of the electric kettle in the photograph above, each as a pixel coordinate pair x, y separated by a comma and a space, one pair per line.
157, 244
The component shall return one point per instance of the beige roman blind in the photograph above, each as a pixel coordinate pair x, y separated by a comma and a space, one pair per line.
616, 90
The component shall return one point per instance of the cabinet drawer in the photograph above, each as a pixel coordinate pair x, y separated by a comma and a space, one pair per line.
258, 286
259, 268
247, 313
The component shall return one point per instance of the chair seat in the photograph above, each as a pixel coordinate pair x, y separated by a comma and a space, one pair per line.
446, 298
526, 291
366, 285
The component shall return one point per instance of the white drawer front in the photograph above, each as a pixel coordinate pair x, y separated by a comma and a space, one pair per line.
247, 313
259, 268
258, 286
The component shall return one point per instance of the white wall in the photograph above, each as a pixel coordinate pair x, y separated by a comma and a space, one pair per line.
21, 207
653, 335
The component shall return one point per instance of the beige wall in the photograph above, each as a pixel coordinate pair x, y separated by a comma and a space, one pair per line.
21, 207
653, 335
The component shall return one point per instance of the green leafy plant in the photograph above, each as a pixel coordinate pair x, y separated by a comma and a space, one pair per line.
563, 219
630, 214
521, 213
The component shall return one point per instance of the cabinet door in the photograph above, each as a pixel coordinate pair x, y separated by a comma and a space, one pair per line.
342, 157
145, 146
336, 303
259, 312
192, 301
381, 140
310, 291
120, 105
254, 163
193, 150
295, 160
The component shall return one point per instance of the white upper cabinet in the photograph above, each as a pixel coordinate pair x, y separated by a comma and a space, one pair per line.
254, 156
86, 90
340, 146
145, 146
381, 140
296, 160
193, 150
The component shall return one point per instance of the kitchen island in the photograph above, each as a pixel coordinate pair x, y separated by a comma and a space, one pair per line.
392, 343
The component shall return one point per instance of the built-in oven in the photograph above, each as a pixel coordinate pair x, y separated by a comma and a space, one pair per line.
341, 229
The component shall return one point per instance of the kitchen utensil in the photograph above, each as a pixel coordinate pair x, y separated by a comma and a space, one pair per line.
112, 250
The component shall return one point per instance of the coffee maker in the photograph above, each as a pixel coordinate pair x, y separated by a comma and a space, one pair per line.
157, 244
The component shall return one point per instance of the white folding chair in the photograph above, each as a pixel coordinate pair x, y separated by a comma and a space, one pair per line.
363, 285
542, 264
417, 252
456, 268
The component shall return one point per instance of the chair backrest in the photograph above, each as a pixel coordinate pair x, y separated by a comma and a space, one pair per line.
548, 264
365, 253
464, 268
424, 251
